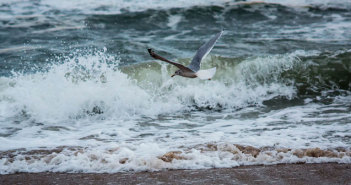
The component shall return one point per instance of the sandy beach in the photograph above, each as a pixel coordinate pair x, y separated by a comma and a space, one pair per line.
327, 173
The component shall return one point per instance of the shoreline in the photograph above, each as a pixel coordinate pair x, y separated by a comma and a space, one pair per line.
320, 173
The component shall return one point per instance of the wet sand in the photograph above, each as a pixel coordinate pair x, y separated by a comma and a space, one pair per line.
327, 173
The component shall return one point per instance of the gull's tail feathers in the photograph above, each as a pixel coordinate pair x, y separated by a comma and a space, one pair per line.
206, 74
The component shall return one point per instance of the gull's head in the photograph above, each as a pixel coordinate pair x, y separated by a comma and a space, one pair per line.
178, 72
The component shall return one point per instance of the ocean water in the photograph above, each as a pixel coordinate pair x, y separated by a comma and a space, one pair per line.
79, 92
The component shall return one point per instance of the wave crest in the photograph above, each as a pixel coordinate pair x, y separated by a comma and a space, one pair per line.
95, 85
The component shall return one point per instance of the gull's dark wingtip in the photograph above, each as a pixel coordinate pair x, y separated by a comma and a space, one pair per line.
150, 51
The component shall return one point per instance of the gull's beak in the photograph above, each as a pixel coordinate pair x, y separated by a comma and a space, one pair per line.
173, 75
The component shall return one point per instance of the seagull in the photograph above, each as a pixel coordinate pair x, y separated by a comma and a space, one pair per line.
193, 70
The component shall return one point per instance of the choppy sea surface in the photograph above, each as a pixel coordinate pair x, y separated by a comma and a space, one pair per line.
79, 92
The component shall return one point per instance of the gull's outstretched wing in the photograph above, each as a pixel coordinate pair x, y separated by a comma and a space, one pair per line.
180, 66
202, 52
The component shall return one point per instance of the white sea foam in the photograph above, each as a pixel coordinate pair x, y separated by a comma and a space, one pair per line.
173, 21
150, 157
108, 121
74, 88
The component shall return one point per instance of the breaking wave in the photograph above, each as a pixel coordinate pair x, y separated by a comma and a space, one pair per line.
95, 115
95, 84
